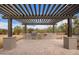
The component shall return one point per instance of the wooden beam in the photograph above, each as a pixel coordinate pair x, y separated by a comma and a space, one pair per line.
38, 17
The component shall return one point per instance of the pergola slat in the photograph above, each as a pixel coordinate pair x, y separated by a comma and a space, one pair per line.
5, 8
43, 9
48, 9
23, 10
11, 10
55, 9
18, 9
39, 9
71, 9
14, 8
31, 9
10, 7
51, 9
5, 11
35, 9
75, 12
27, 9
65, 9
59, 10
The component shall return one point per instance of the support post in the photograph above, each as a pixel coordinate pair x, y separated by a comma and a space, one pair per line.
53, 28
9, 27
9, 42
25, 30
69, 27
69, 41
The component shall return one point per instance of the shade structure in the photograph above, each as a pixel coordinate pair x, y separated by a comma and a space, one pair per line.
39, 13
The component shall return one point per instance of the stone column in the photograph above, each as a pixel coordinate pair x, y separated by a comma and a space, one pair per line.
69, 41
9, 42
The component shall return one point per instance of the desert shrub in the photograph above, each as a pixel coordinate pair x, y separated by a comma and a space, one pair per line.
17, 30
1, 43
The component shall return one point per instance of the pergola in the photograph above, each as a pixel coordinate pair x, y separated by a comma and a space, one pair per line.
39, 14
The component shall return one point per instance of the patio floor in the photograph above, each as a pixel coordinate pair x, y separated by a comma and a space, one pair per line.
39, 47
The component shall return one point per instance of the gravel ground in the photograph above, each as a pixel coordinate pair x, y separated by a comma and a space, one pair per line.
39, 47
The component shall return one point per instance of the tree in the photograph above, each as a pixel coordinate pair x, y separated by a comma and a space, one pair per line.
17, 30
76, 26
30, 30
63, 28
3, 31
50, 29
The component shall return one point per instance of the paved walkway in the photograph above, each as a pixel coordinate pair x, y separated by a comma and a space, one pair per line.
39, 47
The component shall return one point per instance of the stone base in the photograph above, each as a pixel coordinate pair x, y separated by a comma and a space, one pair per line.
70, 42
9, 43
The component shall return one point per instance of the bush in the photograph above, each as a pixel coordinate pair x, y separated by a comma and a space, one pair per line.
1, 43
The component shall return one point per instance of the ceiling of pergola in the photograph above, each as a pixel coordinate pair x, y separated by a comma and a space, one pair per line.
39, 13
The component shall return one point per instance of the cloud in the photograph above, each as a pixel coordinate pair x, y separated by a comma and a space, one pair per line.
3, 25
39, 26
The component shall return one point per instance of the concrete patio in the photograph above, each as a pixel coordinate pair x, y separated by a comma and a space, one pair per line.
39, 47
